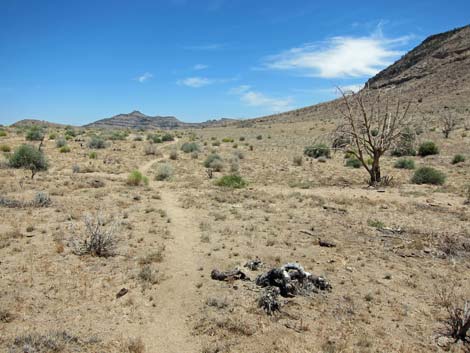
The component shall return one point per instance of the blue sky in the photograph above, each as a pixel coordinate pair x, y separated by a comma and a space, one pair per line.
79, 61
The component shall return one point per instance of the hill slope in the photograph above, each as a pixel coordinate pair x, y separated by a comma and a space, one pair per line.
436, 73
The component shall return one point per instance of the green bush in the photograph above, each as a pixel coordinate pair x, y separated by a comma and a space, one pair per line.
189, 147
118, 136
93, 155
154, 138
164, 172
136, 178
5, 148
52, 136
3, 133
167, 137
231, 181
428, 175
458, 158
259, 137
64, 149
216, 143
227, 139
318, 150
242, 138
96, 142
174, 154
353, 163
28, 157
405, 163
70, 131
35, 133
428, 148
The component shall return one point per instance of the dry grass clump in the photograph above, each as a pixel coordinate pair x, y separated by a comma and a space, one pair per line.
99, 239
55, 341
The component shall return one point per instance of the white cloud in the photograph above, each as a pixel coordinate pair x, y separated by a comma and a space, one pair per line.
195, 82
340, 57
258, 99
145, 77
200, 67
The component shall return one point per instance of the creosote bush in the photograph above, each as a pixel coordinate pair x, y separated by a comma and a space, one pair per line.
35, 133
136, 178
174, 154
64, 149
93, 155
428, 175
28, 157
214, 161
428, 148
405, 163
60, 142
189, 147
167, 137
318, 150
353, 163
96, 142
5, 148
458, 158
231, 181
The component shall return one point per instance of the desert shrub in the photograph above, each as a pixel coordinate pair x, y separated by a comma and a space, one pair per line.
428, 175
231, 181
93, 155
149, 275
3, 133
75, 169
118, 136
234, 165
227, 139
60, 142
298, 160
318, 150
239, 154
406, 144
99, 238
96, 142
150, 149
5, 148
35, 133
214, 161
28, 157
428, 148
136, 178
467, 194
353, 163
64, 149
242, 138
189, 147
154, 138
167, 137
458, 158
132, 345
235, 145
216, 143
70, 131
138, 138
52, 136
194, 155
53, 342
164, 172
41, 199
405, 163
174, 154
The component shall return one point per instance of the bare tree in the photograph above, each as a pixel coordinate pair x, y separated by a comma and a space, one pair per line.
370, 126
449, 123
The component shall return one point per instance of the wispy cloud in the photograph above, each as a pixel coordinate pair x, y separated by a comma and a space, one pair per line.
340, 57
258, 99
195, 82
198, 67
144, 77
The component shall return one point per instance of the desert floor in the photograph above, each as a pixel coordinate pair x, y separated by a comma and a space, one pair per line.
400, 250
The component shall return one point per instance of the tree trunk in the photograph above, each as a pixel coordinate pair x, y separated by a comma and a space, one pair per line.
374, 172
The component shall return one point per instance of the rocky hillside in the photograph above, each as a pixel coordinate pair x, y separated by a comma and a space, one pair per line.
36, 122
436, 74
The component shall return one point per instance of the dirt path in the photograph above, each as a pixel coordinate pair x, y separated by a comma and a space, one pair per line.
178, 299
